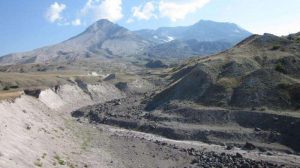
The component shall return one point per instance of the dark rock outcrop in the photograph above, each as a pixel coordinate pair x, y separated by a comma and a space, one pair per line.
156, 64
33, 92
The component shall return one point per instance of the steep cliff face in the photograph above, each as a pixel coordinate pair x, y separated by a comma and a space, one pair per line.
38, 131
72, 97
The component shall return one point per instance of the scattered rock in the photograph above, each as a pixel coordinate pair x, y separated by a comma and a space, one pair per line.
77, 114
110, 77
249, 146
27, 126
257, 129
163, 143
194, 161
229, 147
262, 149
246, 165
238, 155
122, 86
117, 102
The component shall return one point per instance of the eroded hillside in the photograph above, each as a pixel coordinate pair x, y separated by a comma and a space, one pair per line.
261, 71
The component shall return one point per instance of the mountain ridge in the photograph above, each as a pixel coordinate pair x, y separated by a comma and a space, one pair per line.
202, 27
105, 40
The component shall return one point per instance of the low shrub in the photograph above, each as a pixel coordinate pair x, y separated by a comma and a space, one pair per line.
6, 88
59, 160
14, 87
275, 47
280, 68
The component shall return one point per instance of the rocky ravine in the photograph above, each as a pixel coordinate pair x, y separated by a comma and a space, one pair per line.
37, 130
228, 129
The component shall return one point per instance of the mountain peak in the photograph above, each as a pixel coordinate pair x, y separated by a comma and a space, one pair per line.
205, 21
214, 23
102, 24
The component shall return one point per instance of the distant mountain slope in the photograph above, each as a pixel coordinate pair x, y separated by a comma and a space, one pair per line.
183, 49
102, 39
204, 30
261, 71
106, 40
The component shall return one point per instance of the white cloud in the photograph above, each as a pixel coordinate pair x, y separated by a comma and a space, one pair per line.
88, 6
103, 9
130, 20
144, 12
53, 13
179, 9
76, 22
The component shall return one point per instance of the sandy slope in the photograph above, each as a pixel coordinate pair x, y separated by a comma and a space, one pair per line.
37, 132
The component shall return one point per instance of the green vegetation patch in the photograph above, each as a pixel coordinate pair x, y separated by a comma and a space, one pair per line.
280, 68
59, 160
38, 163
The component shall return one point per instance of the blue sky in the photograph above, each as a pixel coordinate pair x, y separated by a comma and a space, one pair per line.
26, 25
